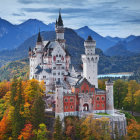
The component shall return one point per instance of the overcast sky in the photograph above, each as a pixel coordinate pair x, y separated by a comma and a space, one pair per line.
106, 17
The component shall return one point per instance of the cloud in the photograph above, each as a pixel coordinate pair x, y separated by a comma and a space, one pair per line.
18, 15
55, 10
133, 21
55, 2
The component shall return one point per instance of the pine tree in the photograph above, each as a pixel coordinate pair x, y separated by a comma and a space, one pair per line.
38, 111
13, 91
17, 118
58, 129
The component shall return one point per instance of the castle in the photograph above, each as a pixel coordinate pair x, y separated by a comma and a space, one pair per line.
76, 94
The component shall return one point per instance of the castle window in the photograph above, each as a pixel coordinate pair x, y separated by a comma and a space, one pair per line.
71, 107
98, 105
66, 107
103, 98
56, 55
54, 58
83, 91
58, 73
54, 73
54, 68
97, 98
102, 105
62, 67
59, 55
86, 91
44, 76
66, 99
71, 100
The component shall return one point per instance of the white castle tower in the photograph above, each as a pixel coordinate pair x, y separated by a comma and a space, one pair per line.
59, 28
109, 97
37, 59
90, 62
59, 108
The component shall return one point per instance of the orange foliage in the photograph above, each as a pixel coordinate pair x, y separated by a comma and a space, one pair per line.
4, 88
133, 130
26, 133
4, 126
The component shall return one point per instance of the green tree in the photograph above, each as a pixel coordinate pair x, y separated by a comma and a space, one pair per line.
58, 129
120, 91
42, 132
13, 91
17, 118
38, 111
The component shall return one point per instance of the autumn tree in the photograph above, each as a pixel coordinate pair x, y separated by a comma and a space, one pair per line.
101, 84
72, 127
133, 130
58, 129
32, 89
4, 127
41, 133
26, 133
129, 101
4, 88
95, 128
137, 100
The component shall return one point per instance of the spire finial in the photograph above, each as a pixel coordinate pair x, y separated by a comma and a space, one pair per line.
39, 39
60, 21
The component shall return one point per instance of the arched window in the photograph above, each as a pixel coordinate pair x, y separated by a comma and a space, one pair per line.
66, 99
103, 98
97, 98
54, 58
62, 58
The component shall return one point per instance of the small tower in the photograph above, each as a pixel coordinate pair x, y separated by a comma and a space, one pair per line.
109, 97
35, 55
39, 50
59, 107
59, 28
90, 62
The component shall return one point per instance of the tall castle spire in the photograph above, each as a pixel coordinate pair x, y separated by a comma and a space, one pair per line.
60, 21
39, 38
59, 28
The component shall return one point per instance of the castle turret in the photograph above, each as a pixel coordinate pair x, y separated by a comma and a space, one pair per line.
36, 55
39, 50
59, 28
90, 62
109, 97
59, 107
